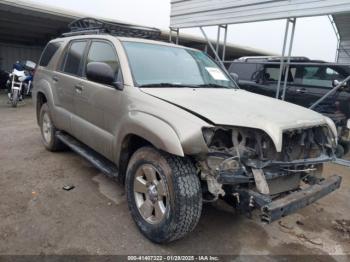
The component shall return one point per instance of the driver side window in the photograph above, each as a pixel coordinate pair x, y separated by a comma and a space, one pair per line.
104, 52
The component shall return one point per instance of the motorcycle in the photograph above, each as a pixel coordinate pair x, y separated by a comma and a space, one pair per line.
20, 81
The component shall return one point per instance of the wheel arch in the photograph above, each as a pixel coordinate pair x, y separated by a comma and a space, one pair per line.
40, 100
42, 94
140, 130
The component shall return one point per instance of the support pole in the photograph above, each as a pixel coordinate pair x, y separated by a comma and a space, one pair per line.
218, 39
225, 43
282, 59
216, 54
293, 21
177, 30
177, 35
331, 92
170, 35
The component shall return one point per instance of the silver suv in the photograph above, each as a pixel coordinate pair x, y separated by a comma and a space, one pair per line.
174, 127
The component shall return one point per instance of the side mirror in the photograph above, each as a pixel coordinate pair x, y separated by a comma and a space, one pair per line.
235, 77
336, 83
102, 73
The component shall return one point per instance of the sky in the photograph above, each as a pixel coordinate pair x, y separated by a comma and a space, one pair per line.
314, 36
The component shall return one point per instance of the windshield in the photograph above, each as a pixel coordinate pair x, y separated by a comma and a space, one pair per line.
155, 65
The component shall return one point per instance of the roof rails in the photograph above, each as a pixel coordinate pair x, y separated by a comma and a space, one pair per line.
272, 59
88, 25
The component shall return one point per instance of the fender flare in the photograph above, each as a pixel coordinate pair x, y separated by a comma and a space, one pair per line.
43, 87
156, 131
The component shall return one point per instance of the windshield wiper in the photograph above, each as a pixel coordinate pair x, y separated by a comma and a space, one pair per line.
215, 85
168, 85
185, 86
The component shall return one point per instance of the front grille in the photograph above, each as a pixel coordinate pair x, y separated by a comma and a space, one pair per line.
306, 143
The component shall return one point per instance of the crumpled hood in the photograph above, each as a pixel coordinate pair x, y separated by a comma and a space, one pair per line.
230, 107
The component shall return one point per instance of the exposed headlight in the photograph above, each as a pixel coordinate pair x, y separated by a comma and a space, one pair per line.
208, 134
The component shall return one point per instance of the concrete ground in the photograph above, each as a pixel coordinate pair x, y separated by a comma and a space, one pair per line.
38, 217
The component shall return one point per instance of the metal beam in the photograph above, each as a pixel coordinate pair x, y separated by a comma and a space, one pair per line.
293, 21
212, 48
225, 43
216, 55
282, 59
218, 39
331, 92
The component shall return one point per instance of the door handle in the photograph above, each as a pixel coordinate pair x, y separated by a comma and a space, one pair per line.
301, 91
79, 88
55, 78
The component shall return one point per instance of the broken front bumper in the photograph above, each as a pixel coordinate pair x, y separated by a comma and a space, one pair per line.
279, 208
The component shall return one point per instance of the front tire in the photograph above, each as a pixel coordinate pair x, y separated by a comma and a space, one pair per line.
48, 131
15, 98
164, 194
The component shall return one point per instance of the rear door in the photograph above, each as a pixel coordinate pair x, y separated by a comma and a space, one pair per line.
68, 78
313, 82
97, 106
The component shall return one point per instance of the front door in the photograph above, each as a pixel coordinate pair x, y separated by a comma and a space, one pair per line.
97, 106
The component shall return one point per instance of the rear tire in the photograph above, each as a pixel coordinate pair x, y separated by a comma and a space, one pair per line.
339, 151
48, 131
346, 146
15, 97
164, 194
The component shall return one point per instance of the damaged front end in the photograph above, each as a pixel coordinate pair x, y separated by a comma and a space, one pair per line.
244, 167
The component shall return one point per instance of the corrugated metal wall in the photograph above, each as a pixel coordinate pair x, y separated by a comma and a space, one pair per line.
10, 53
342, 22
344, 52
194, 13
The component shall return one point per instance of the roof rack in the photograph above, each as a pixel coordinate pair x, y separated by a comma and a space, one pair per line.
88, 25
272, 59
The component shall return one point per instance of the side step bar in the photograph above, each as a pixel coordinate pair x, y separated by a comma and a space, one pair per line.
342, 162
100, 162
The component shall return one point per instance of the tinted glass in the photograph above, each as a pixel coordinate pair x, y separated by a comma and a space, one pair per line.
49, 52
272, 74
246, 71
321, 76
158, 64
74, 58
103, 52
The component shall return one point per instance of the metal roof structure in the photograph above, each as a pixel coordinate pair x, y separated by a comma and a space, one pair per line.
342, 27
195, 13
221, 13
31, 24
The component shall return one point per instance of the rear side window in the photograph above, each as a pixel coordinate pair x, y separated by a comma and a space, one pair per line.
74, 58
105, 53
49, 51
320, 76
246, 71
272, 74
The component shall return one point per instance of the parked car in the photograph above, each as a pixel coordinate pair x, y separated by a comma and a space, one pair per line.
168, 122
308, 81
